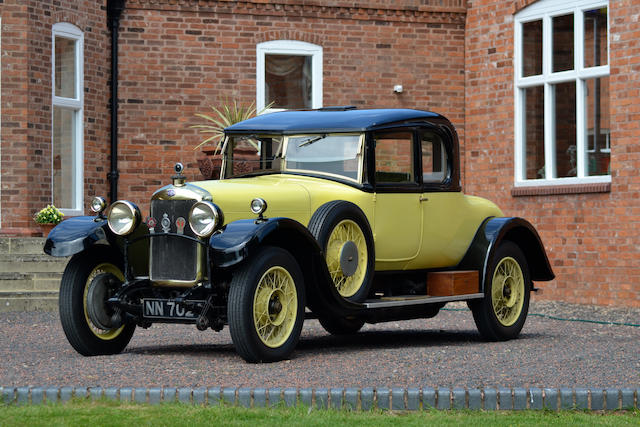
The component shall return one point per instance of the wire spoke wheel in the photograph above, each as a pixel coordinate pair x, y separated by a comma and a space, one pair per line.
275, 305
507, 291
265, 308
501, 314
104, 334
347, 245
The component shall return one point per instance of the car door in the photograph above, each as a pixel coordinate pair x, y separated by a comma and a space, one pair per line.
397, 224
443, 207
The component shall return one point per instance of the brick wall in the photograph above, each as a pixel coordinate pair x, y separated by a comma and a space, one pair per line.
175, 60
26, 104
591, 238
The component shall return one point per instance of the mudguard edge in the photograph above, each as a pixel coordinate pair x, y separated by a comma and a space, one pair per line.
518, 230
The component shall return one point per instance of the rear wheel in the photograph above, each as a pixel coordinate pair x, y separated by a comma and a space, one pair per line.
266, 306
89, 279
501, 314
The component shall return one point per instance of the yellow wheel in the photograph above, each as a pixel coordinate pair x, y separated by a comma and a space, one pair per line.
89, 279
266, 306
98, 328
275, 304
346, 257
343, 233
507, 291
501, 314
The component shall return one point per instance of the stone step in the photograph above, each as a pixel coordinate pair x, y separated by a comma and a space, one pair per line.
28, 301
32, 264
30, 281
22, 245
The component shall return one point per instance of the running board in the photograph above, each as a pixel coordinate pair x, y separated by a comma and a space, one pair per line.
420, 300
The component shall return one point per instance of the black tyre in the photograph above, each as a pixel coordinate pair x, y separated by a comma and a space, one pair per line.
341, 325
344, 235
266, 306
89, 279
501, 314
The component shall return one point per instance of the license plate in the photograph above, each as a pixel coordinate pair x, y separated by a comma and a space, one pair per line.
165, 309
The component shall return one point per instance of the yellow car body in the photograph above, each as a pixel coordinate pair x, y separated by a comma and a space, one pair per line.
411, 231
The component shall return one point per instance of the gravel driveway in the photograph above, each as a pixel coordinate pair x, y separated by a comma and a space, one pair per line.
445, 351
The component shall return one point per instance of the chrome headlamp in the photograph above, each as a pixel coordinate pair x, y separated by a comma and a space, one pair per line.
123, 217
204, 218
98, 204
258, 206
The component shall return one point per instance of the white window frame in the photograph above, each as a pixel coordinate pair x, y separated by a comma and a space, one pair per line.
289, 47
546, 10
70, 31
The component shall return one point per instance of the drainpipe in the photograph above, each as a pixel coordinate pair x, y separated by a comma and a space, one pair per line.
114, 11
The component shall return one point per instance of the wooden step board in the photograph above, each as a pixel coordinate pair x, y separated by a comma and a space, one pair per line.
450, 283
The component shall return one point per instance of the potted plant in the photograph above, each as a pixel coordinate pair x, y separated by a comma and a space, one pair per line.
226, 115
47, 218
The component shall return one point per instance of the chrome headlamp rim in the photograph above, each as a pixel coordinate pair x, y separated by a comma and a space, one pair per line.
215, 218
132, 213
98, 204
258, 206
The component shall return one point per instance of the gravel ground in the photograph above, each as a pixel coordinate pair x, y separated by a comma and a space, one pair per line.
444, 351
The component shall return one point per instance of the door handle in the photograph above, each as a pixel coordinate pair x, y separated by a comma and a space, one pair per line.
424, 199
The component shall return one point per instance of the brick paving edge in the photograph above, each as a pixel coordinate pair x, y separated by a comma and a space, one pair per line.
396, 399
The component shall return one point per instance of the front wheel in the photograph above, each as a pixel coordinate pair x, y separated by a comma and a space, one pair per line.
501, 314
266, 306
89, 279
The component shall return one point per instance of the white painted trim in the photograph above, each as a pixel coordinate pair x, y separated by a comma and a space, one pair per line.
545, 10
289, 47
69, 31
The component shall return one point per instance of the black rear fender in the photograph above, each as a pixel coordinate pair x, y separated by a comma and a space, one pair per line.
517, 230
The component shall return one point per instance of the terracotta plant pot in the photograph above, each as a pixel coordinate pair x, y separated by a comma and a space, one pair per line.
210, 165
45, 229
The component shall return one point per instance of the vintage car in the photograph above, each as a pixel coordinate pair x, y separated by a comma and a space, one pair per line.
351, 216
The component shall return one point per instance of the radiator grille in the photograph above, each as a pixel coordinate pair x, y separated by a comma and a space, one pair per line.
172, 258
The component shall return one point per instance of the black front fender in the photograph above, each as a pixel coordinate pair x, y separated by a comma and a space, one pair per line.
75, 235
238, 241
519, 231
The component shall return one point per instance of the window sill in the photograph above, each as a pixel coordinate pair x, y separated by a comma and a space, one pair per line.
554, 190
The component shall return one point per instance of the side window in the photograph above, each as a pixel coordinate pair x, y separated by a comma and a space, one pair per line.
434, 159
394, 158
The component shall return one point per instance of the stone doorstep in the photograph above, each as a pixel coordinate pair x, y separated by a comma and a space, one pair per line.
22, 245
397, 399
17, 282
31, 264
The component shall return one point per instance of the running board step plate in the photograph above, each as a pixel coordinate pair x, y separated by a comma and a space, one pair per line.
403, 301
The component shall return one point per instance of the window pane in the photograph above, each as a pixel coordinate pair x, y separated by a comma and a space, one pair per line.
531, 48
534, 132
394, 157
65, 63
63, 153
565, 130
563, 43
595, 37
434, 160
288, 81
598, 142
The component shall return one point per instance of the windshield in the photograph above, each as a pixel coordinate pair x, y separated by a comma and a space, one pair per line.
326, 154
250, 154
